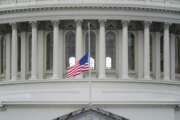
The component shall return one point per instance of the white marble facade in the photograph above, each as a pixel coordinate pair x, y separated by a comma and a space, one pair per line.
135, 60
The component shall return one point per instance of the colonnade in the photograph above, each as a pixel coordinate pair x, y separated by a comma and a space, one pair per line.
11, 59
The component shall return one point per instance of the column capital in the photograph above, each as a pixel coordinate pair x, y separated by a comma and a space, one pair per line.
33, 23
55, 22
78, 21
13, 24
102, 21
147, 23
167, 24
125, 22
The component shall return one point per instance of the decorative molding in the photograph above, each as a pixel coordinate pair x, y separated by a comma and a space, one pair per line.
161, 103
141, 81
55, 8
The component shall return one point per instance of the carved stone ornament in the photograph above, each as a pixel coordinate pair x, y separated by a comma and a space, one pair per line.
90, 113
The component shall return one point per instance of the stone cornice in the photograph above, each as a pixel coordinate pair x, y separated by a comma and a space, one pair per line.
116, 12
20, 103
15, 10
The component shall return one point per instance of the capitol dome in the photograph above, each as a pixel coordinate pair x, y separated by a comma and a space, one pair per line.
134, 64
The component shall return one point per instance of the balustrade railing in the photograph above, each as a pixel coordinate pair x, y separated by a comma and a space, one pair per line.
9, 2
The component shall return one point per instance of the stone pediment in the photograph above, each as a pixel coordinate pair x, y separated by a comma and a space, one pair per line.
90, 113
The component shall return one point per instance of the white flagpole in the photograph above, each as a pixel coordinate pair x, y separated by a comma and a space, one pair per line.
89, 50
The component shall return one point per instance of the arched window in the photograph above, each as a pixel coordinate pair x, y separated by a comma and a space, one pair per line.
108, 63
110, 50
131, 52
92, 62
69, 49
72, 61
19, 53
3, 54
162, 53
49, 52
93, 48
177, 55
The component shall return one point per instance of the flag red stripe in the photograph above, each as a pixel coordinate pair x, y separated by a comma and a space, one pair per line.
79, 69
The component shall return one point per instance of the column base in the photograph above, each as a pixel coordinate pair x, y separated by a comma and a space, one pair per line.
40, 76
147, 77
23, 77
101, 76
8, 77
125, 77
14, 78
166, 78
33, 78
55, 76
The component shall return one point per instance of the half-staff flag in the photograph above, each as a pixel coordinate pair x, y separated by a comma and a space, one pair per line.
81, 66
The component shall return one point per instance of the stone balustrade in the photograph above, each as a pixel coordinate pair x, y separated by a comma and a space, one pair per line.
149, 2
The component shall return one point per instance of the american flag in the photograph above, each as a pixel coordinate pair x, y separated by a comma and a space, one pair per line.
81, 66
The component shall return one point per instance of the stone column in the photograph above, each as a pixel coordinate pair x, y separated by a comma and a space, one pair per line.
172, 43
102, 55
23, 55
14, 52
119, 52
41, 54
61, 54
124, 50
146, 50
56, 49
140, 54
34, 51
79, 42
158, 54
166, 52
8, 56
